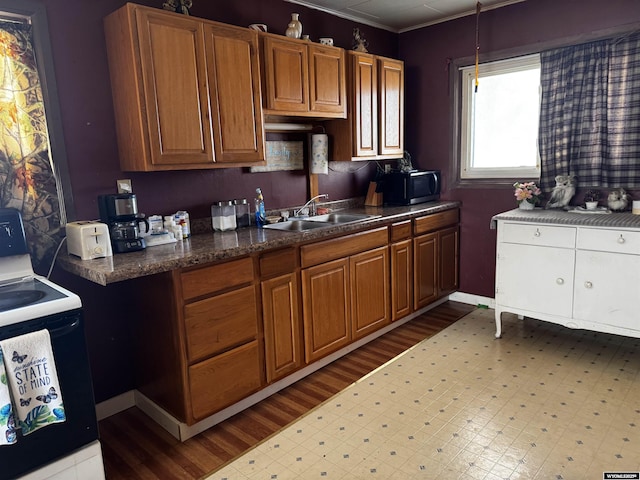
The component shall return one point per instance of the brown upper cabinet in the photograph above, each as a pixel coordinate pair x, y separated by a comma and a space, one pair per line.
303, 79
186, 91
374, 129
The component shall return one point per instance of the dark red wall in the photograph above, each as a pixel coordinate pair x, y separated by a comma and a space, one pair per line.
428, 116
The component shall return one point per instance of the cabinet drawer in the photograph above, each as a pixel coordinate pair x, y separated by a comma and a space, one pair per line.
609, 240
542, 235
215, 324
273, 264
335, 248
435, 221
208, 280
400, 231
224, 379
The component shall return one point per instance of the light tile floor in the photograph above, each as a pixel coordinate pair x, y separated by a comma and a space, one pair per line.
542, 402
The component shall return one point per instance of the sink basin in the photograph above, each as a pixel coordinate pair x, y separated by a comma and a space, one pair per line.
296, 225
341, 217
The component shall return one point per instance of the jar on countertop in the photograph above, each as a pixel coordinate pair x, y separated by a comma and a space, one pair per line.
223, 216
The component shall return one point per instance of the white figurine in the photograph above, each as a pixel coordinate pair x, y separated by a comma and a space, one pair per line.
562, 193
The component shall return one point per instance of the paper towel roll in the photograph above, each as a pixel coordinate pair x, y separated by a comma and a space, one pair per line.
320, 154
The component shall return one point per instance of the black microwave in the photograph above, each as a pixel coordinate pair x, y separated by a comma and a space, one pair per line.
409, 188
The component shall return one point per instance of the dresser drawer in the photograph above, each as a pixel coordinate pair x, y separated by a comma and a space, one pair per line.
541, 235
609, 240
215, 324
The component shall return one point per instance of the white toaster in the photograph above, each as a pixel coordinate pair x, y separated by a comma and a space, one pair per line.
88, 240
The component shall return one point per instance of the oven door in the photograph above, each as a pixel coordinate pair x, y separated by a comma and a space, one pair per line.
72, 363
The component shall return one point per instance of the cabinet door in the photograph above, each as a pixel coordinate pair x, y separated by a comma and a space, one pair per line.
391, 74
326, 305
234, 83
607, 289
533, 278
365, 107
327, 81
369, 275
286, 75
425, 270
401, 279
282, 337
175, 88
448, 240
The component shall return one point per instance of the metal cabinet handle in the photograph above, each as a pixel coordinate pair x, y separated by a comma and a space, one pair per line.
621, 239
588, 285
537, 233
560, 281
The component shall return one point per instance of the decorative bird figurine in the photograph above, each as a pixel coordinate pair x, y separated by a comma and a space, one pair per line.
562, 193
618, 200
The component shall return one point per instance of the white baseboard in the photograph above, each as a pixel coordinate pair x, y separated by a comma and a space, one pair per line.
472, 299
115, 405
182, 431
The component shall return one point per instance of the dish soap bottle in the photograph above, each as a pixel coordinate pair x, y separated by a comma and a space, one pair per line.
261, 217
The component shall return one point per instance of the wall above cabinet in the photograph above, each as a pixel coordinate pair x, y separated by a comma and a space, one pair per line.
209, 116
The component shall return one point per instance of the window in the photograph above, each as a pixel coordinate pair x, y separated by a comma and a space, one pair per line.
499, 121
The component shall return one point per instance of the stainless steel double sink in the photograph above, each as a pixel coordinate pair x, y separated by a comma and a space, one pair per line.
319, 221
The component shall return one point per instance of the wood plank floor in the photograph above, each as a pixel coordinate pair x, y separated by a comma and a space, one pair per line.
134, 447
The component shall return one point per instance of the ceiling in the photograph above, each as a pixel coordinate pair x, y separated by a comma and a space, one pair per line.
401, 15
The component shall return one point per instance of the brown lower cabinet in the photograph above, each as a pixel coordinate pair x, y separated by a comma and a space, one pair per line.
281, 313
345, 290
217, 333
435, 251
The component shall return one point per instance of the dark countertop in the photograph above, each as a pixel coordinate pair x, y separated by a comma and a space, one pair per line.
575, 217
215, 246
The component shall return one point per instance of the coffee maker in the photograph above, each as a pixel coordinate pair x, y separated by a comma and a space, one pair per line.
120, 213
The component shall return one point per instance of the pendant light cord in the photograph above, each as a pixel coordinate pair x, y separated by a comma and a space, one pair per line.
478, 6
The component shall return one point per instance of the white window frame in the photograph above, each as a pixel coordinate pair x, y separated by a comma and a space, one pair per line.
467, 81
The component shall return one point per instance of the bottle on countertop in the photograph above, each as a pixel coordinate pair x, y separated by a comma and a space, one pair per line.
170, 225
182, 219
261, 216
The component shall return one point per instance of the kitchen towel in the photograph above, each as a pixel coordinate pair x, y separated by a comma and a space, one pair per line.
33, 381
7, 420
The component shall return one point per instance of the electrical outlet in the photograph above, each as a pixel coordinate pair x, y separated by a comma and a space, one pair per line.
124, 186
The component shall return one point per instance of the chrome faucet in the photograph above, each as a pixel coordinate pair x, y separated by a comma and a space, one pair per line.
312, 204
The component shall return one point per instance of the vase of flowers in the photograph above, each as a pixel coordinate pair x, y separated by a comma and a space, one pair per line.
527, 194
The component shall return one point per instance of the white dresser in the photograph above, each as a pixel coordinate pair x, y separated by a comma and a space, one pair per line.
577, 270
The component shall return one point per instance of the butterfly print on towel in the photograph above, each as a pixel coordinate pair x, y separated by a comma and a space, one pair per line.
25, 402
18, 358
52, 395
10, 433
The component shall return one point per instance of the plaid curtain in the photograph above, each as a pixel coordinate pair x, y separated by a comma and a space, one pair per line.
590, 113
